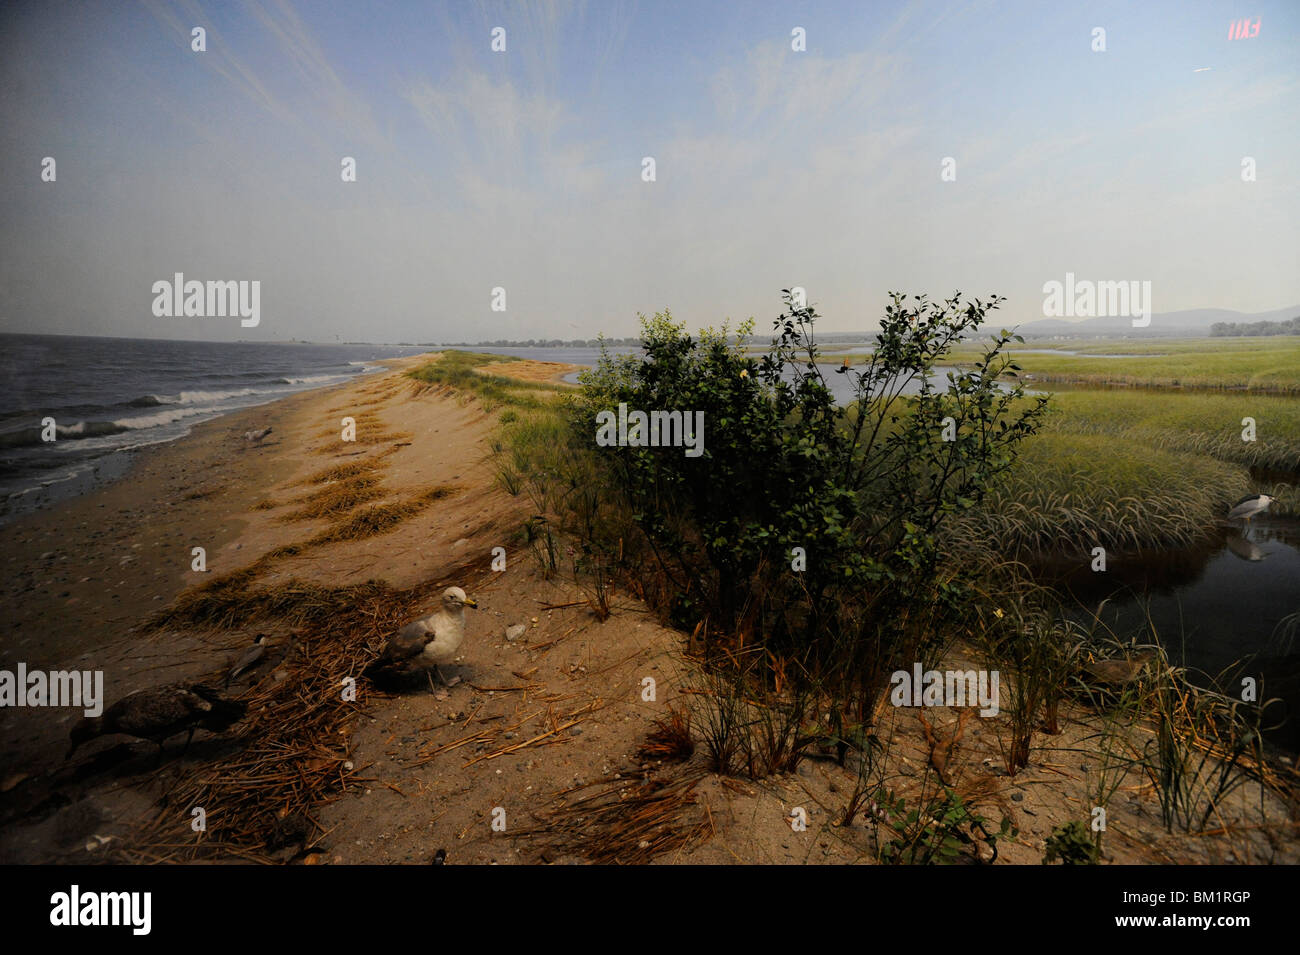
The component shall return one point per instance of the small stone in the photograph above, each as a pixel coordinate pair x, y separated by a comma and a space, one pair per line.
516, 631
1017, 797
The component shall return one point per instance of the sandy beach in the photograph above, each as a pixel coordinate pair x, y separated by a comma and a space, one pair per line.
493, 769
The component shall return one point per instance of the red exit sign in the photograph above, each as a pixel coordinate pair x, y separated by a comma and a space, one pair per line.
1241, 29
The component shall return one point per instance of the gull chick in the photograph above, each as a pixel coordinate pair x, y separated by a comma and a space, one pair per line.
421, 645
255, 437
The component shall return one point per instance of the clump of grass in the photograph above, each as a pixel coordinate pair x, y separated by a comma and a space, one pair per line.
436, 493
541, 543
231, 601
509, 479
371, 521
1207, 746
341, 472
1114, 754
266, 504
334, 500
670, 740
750, 729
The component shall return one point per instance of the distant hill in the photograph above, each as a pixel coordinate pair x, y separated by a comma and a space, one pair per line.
1244, 329
1194, 323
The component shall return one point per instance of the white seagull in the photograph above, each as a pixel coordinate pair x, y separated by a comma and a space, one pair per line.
255, 437
423, 644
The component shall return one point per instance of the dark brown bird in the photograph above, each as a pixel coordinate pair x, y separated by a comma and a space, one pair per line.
159, 713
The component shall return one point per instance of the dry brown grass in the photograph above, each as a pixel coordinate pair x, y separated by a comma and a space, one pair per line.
335, 500
379, 518
293, 750
341, 472
627, 821
670, 739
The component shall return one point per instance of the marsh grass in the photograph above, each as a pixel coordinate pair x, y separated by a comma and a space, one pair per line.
1270, 364
1133, 471
1202, 424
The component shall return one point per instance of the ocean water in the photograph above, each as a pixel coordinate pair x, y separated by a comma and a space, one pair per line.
111, 396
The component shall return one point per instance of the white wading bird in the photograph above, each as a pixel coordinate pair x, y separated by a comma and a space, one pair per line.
1249, 506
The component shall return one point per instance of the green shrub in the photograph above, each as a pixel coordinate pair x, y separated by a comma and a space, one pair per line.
863, 488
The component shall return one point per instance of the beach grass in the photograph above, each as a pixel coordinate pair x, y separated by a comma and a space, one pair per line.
461, 370
335, 499
380, 518
341, 472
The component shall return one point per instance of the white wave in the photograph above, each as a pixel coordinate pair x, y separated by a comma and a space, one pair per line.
162, 417
195, 397
310, 380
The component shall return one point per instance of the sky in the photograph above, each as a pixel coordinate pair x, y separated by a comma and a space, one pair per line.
523, 169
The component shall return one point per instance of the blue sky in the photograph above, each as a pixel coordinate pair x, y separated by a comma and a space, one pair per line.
523, 169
